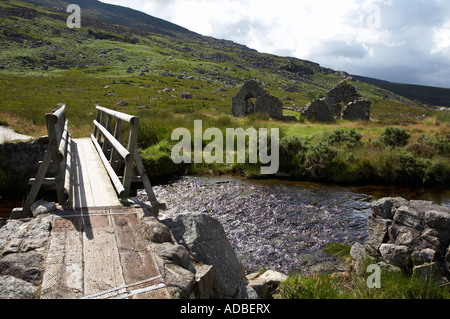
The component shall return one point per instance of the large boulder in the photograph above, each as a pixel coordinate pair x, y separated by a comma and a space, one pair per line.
15, 288
25, 266
412, 235
205, 238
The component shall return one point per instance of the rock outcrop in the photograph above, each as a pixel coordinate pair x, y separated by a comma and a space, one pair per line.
328, 108
22, 249
205, 238
411, 236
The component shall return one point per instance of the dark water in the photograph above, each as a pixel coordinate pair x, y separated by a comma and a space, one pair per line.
283, 225
6, 207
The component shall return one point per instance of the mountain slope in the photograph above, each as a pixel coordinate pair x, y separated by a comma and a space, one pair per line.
115, 14
426, 94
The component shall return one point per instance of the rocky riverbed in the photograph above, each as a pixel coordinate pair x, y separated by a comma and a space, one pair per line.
274, 226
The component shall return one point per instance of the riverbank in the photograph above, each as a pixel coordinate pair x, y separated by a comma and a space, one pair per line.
342, 156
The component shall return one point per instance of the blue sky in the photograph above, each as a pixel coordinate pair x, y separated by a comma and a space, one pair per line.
396, 40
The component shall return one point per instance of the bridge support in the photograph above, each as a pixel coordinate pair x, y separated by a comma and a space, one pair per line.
59, 153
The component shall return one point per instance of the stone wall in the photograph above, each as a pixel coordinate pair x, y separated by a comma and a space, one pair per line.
413, 236
328, 108
242, 105
23, 155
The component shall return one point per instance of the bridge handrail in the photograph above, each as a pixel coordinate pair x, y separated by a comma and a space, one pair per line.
109, 144
59, 153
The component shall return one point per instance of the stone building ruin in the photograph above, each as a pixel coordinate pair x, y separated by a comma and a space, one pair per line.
357, 107
253, 98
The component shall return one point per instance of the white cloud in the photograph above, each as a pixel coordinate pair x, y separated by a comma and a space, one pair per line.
398, 40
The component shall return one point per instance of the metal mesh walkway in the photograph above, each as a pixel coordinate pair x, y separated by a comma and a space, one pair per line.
96, 247
100, 254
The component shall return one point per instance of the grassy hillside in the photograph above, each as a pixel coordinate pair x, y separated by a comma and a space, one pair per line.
43, 63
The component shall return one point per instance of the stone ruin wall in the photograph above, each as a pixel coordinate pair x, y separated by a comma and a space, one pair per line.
329, 108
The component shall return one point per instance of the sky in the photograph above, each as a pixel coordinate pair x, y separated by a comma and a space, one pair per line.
395, 40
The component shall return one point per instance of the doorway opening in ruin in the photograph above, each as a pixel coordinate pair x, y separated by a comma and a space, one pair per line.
250, 104
338, 112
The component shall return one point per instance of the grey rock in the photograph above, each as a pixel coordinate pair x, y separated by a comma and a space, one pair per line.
38, 233
122, 103
378, 230
408, 216
266, 284
25, 266
155, 231
432, 236
383, 207
179, 281
42, 207
438, 219
396, 255
176, 254
388, 267
429, 271
204, 281
417, 234
247, 292
186, 95
402, 235
206, 240
358, 252
423, 256
15, 288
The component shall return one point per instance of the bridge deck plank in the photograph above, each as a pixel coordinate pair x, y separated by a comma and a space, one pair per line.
91, 186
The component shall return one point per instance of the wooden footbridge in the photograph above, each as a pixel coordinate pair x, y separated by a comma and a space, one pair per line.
96, 248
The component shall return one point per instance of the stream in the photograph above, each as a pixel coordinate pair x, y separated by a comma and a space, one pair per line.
283, 225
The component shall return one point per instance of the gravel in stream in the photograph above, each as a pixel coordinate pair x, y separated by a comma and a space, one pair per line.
274, 226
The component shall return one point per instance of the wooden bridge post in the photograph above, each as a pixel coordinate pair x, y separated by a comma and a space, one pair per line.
132, 144
59, 154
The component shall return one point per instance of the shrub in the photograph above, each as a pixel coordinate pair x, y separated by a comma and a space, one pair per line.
157, 160
424, 147
442, 144
346, 138
439, 171
293, 151
403, 168
395, 137
319, 159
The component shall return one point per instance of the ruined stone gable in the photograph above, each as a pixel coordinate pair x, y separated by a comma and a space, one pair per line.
328, 108
263, 101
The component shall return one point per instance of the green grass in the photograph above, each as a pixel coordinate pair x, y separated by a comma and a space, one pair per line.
394, 285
